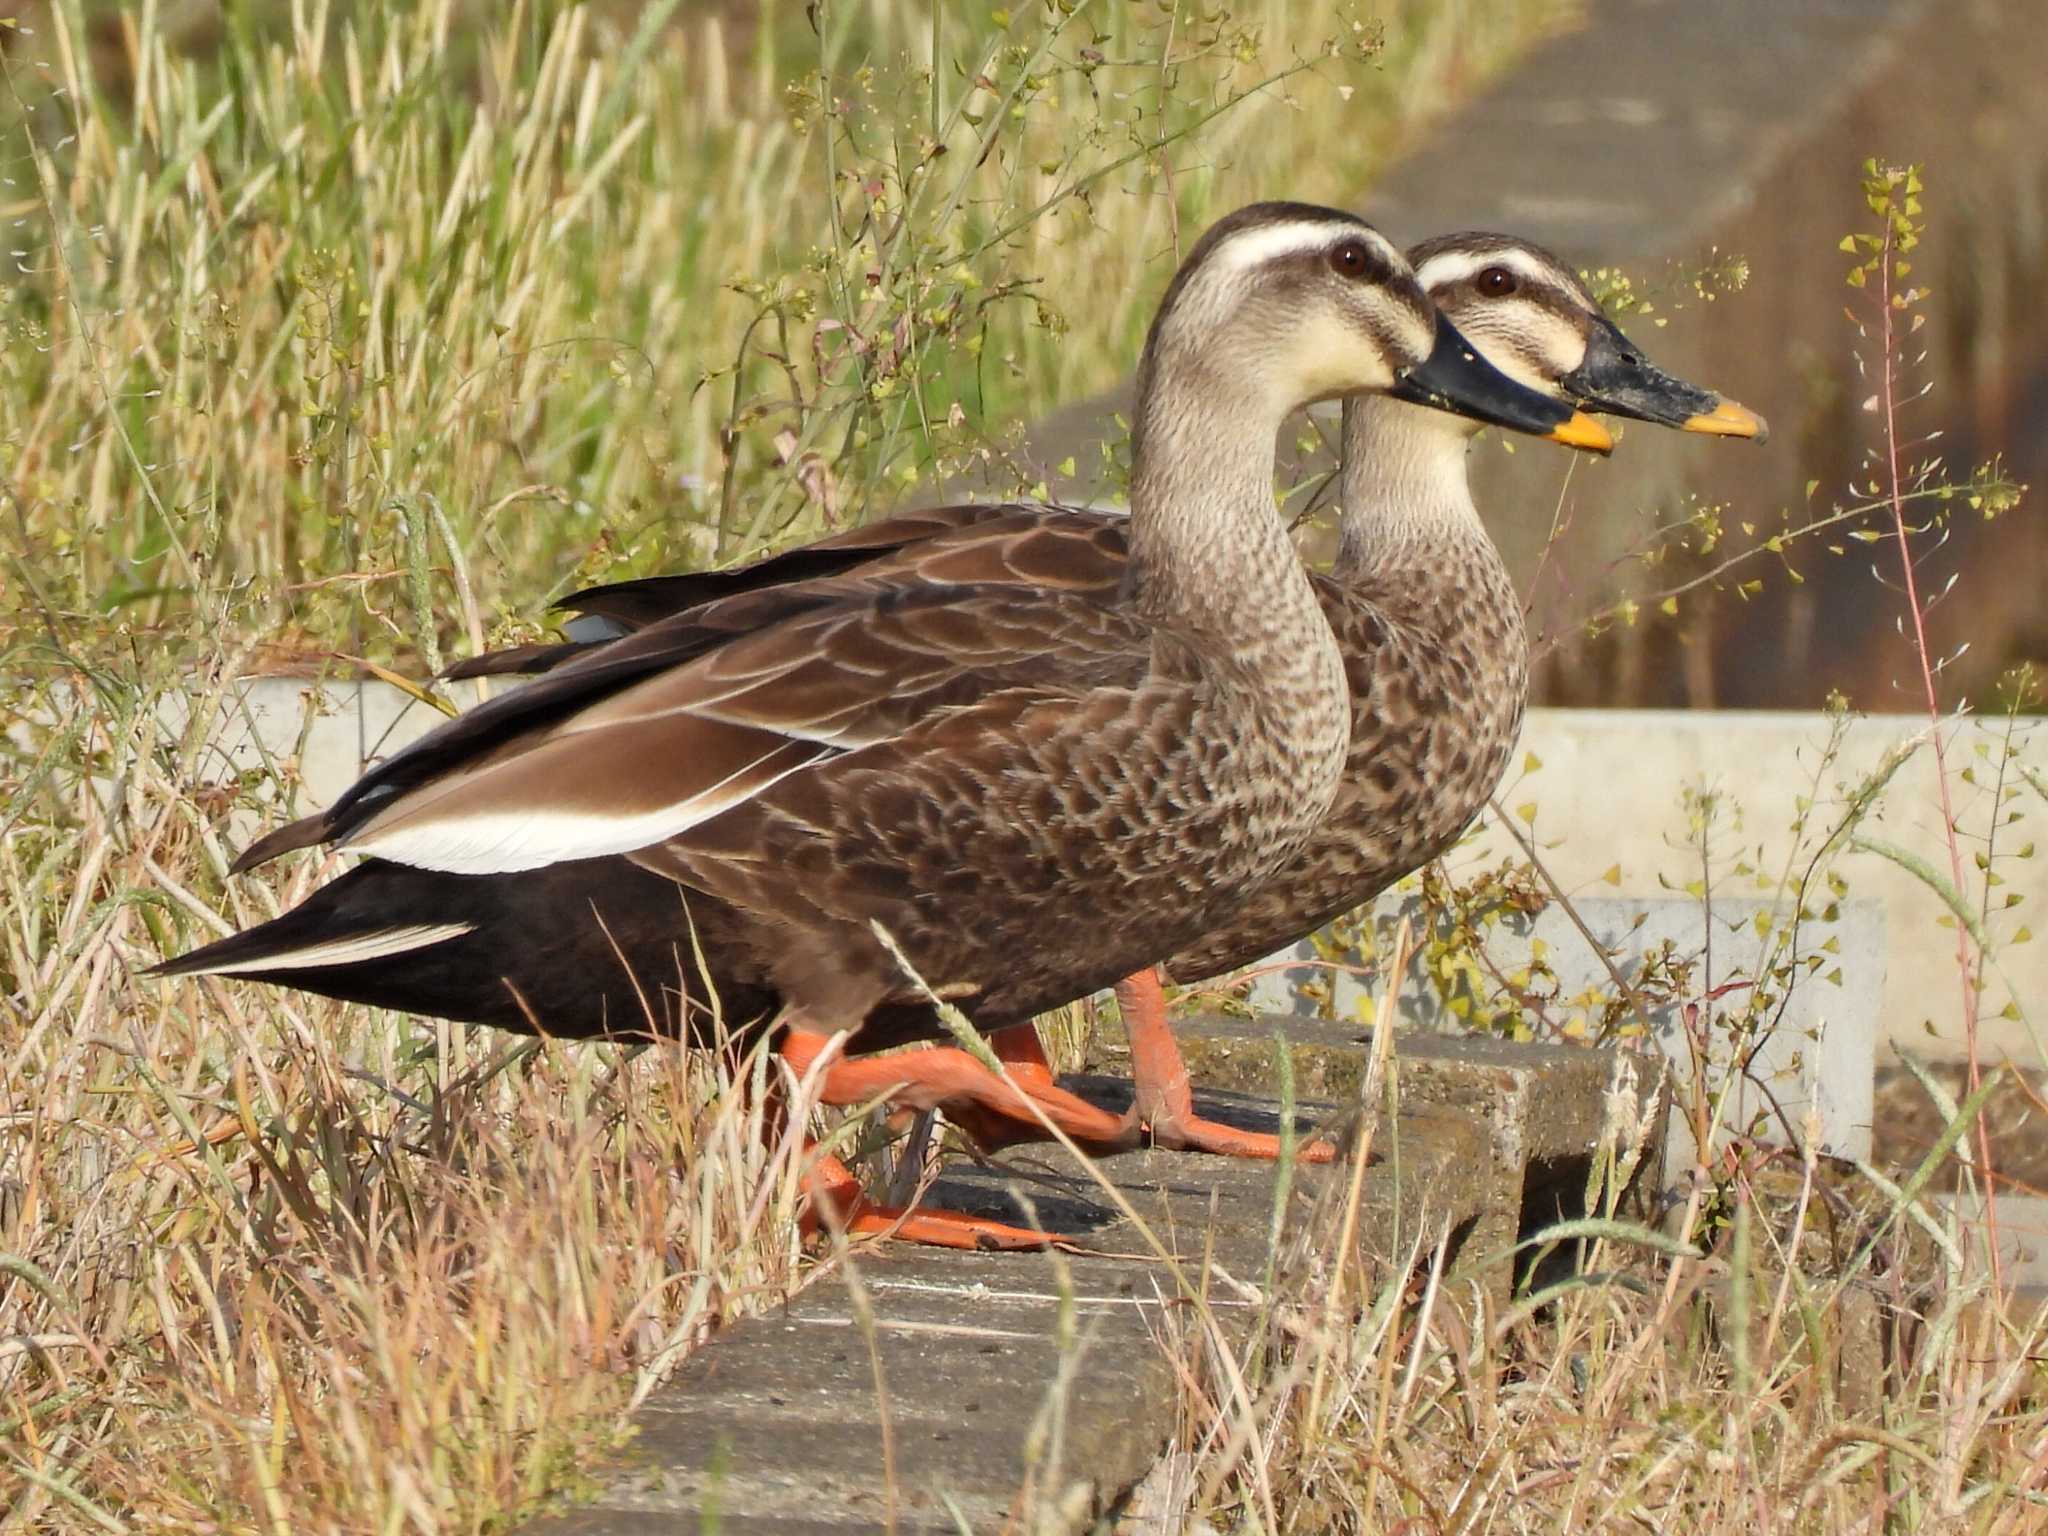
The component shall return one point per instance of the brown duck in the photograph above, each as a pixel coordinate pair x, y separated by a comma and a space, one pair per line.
1033, 788
1421, 603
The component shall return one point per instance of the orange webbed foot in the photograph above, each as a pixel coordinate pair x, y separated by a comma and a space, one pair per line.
1165, 1103
833, 1187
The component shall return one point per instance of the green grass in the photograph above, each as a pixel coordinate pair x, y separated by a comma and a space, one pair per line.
365, 334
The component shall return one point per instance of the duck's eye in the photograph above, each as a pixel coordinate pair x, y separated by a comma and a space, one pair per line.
1495, 282
1350, 258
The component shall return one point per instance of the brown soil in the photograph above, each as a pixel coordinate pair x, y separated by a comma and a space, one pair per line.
1907, 1124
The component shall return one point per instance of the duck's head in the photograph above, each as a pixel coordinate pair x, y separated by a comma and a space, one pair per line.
1537, 322
1281, 304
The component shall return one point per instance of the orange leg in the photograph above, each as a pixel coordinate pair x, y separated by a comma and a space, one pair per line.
831, 1183
911, 1080
1095, 1131
946, 1077
1018, 1048
1165, 1103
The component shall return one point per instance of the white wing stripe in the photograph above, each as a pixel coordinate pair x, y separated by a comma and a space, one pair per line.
352, 950
612, 712
497, 842
838, 737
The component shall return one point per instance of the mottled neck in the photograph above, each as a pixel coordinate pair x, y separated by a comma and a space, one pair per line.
1210, 553
1405, 491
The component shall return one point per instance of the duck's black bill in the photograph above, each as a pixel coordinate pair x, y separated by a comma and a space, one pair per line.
1619, 380
1455, 378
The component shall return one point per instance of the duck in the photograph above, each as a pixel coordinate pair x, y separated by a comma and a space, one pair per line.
905, 786
1423, 607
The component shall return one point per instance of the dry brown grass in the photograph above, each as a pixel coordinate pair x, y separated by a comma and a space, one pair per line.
1809, 1361
272, 1263
357, 341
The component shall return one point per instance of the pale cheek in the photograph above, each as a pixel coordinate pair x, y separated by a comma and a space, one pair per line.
1536, 351
1337, 363
1510, 353
1518, 367
1555, 350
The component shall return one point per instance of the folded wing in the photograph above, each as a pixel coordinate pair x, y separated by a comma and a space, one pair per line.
1064, 548
683, 721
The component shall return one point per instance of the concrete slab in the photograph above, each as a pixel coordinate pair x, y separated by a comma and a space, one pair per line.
1859, 1365
626, 1522
647, 1522
1619, 797
1542, 1103
999, 1387
306, 740
1540, 1111
1801, 1041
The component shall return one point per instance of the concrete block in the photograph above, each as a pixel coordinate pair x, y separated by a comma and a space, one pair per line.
1610, 798
1539, 1111
1418, 1179
630, 1522
1794, 1039
1854, 1332
1024, 1391
318, 737
1859, 1362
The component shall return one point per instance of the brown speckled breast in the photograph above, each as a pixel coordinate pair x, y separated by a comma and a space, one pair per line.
1439, 670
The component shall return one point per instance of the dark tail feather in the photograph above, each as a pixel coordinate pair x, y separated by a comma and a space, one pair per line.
353, 916
626, 606
520, 660
303, 833
599, 947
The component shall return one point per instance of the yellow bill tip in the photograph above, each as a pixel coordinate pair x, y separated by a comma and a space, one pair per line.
1730, 420
1583, 432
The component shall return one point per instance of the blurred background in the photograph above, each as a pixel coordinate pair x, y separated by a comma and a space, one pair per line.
367, 329
362, 331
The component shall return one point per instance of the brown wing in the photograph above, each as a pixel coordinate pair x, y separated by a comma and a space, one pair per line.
631, 605
624, 767
1032, 548
1066, 548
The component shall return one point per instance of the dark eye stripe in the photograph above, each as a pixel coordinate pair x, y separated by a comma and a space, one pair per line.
1544, 295
1361, 260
